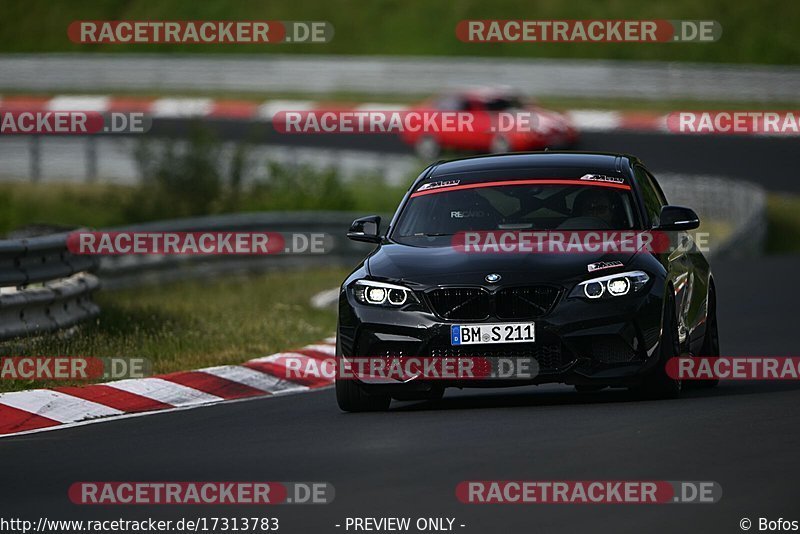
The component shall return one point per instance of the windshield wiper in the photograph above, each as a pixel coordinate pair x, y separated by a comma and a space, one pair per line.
424, 234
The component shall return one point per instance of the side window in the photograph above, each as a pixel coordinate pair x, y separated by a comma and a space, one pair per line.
653, 198
451, 103
660, 192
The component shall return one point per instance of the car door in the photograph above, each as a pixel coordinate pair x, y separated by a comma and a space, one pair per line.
484, 123
699, 280
691, 273
448, 136
678, 263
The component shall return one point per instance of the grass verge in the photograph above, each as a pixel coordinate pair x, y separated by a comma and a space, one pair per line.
783, 223
195, 324
753, 32
61, 204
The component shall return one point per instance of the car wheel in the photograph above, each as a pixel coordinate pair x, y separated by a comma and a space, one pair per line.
427, 148
710, 346
351, 397
500, 145
657, 384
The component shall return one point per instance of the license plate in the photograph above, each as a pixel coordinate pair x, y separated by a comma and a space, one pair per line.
477, 334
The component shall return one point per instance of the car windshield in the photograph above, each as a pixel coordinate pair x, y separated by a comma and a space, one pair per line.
503, 103
446, 208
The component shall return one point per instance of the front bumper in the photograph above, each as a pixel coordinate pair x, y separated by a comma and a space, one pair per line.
610, 342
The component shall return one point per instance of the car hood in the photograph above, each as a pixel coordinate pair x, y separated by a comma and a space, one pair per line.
430, 266
550, 120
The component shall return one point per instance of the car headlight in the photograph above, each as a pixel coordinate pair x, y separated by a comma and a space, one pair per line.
613, 285
382, 294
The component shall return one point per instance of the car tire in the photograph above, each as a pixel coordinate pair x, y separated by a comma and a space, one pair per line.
710, 346
352, 397
500, 145
427, 148
657, 384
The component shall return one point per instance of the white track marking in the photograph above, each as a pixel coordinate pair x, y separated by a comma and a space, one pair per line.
253, 378
594, 120
79, 103
303, 365
164, 391
182, 107
330, 350
269, 108
56, 405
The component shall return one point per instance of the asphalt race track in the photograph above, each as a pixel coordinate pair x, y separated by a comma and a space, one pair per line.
743, 435
408, 461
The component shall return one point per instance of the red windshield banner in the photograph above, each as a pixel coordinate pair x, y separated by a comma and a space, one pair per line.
455, 185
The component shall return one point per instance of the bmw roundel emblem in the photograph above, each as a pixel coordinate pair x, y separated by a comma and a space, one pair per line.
493, 277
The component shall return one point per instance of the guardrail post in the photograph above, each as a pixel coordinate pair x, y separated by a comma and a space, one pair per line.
36, 158
91, 159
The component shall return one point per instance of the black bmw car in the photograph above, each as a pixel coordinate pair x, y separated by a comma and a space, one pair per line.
593, 317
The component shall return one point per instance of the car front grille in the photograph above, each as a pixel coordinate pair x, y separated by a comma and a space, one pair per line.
475, 304
524, 302
464, 303
611, 349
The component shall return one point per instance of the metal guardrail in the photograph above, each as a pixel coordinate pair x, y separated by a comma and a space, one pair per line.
739, 204
43, 287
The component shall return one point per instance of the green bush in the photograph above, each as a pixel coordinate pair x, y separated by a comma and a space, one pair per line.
177, 183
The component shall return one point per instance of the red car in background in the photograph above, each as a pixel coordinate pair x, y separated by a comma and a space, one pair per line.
502, 121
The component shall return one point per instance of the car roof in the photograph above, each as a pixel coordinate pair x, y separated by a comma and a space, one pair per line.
595, 162
488, 93
482, 93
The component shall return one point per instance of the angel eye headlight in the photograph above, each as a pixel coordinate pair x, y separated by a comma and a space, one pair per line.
376, 295
397, 297
618, 286
613, 285
382, 294
594, 290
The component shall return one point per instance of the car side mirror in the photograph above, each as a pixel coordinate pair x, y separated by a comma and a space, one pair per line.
677, 218
366, 229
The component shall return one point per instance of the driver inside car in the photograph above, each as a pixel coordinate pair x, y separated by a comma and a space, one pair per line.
598, 204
